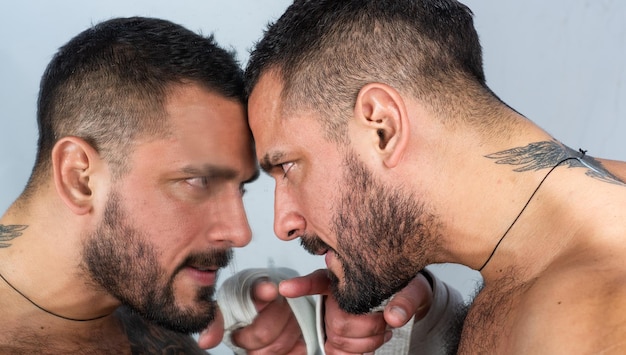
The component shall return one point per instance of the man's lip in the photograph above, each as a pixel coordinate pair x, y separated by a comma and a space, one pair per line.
330, 258
203, 275
205, 268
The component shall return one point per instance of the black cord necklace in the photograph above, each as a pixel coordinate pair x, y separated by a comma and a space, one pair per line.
582, 152
47, 311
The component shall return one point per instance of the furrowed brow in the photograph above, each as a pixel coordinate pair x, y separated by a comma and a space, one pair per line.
268, 162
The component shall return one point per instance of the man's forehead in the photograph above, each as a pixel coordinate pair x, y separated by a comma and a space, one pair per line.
270, 99
279, 127
207, 129
271, 77
265, 108
267, 93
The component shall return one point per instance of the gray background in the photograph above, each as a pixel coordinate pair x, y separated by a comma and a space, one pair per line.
560, 62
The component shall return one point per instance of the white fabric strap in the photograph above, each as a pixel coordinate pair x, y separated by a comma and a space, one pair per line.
235, 301
430, 334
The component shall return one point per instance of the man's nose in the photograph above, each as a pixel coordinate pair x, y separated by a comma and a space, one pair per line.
289, 223
231, 223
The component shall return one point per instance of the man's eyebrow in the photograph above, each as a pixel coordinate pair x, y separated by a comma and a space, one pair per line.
268, 162
211, 171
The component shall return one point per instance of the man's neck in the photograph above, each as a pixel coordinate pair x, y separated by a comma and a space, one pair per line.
40, 271
559, 219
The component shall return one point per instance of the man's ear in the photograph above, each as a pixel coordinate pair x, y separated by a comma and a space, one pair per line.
381, 111
73, 162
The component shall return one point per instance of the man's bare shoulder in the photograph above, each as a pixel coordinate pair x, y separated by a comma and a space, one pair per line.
147, 338
574, 309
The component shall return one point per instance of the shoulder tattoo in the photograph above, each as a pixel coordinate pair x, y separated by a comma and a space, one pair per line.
10, 232
544, 155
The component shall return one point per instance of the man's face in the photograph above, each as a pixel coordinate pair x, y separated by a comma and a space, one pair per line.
169, 223
375, 236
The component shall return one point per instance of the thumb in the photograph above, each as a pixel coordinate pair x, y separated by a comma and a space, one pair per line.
415, 299
213, 334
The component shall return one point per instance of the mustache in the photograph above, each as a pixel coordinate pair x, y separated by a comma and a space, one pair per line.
313, 244
219, 258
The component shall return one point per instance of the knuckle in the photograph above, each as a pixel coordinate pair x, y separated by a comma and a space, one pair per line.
337, 325
362, 345
262, 336
335, 342
282, 348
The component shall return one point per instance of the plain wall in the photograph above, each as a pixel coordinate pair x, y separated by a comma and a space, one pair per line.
561, 63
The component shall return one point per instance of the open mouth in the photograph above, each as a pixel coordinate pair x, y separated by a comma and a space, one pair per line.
321, 252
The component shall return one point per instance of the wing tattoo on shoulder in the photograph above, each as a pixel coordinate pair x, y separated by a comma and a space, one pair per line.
544, 155
10, 232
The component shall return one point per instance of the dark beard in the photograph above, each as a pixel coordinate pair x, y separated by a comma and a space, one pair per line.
384, 237
122, 263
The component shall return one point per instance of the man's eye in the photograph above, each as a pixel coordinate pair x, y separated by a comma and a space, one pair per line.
201, 182
286, 167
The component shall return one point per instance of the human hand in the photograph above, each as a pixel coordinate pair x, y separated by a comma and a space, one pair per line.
275, 329
348, 333
213, 334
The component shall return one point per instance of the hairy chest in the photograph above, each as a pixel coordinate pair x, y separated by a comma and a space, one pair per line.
490, 320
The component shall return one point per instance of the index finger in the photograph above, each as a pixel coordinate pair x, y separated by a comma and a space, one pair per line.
315, 283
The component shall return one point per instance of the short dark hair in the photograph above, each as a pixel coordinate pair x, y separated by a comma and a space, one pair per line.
108, 85
325, 51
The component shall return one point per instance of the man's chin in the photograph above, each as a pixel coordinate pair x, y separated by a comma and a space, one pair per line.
182, 319
348, 298
186, 322
355, 297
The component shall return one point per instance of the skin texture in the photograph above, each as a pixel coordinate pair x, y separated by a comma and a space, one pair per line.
555, 276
